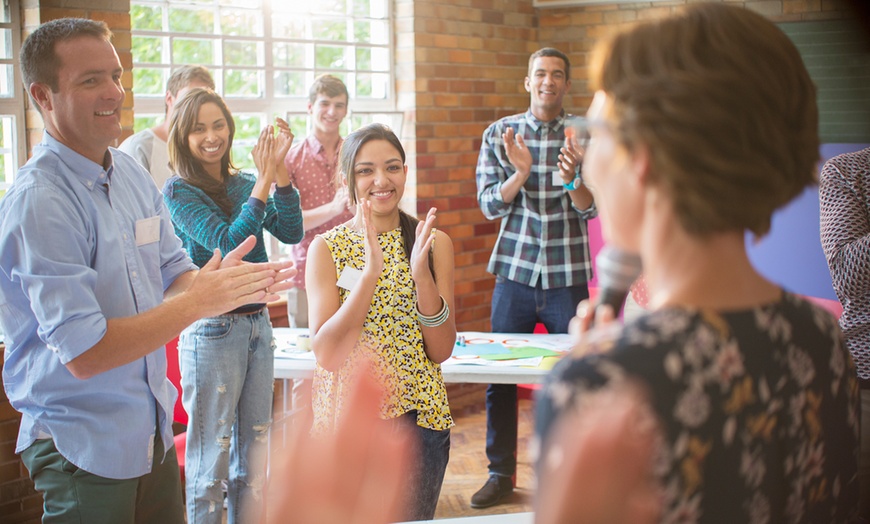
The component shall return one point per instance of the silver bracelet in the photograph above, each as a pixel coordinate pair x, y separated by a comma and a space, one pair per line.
434, 320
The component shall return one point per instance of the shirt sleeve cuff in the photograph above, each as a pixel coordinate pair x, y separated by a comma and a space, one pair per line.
286, 190
256, 204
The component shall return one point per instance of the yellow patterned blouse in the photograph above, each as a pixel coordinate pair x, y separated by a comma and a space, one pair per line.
391, 341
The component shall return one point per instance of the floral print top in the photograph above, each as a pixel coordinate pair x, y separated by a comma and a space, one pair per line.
391, 342
758, 410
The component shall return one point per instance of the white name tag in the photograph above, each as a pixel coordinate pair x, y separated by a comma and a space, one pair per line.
349, 277
147, 231
557, 178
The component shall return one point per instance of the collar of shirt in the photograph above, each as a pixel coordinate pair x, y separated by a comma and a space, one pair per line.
554, 125
86, 171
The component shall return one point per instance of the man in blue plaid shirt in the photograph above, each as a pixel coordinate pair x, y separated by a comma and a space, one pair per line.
528, 176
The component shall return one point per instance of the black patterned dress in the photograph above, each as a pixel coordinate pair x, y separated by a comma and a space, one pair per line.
758, 407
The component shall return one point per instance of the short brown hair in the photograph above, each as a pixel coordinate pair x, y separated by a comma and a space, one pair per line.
552, 52
327, 85
184, 75
722, 99
39, 61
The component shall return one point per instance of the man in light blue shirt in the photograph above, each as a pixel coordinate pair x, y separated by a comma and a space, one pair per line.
93, 282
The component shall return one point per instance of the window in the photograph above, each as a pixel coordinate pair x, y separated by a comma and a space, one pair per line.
11, 95
263, 55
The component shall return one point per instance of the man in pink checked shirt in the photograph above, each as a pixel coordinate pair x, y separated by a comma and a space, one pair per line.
311, 165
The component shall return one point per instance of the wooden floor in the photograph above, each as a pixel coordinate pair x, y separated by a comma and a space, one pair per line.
466, 471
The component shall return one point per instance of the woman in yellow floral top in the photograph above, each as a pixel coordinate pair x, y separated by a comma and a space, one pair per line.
703, 124
381, 297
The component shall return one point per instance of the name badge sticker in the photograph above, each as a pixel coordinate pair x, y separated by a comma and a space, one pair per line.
557, 178
147, 231
348, 278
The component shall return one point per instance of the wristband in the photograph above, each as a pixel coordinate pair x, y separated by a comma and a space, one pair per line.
574, 184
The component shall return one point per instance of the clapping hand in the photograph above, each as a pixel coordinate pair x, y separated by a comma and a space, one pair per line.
422, 246
517, 152
571, 155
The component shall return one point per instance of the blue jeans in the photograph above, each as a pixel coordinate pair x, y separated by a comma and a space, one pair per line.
517, 308
227, 377
431, 453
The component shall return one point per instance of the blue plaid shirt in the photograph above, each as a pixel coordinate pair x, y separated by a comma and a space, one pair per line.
543, 237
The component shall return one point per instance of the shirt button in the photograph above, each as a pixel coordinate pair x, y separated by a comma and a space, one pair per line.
133, 274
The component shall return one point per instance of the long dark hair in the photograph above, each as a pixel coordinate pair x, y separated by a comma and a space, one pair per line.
182, 161
349, 149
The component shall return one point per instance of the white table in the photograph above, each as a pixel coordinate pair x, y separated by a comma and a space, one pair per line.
295, 368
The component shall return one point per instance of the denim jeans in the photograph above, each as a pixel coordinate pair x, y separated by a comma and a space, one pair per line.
431, 453
226, 379
517, 308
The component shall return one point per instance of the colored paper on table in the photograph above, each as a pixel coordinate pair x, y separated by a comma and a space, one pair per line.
478, 350
521, 352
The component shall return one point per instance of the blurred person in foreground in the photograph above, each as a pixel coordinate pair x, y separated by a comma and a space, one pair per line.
702, 125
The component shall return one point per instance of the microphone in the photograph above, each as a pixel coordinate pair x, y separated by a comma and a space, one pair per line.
617, 271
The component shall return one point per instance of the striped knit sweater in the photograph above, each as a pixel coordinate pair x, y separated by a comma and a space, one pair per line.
202, 226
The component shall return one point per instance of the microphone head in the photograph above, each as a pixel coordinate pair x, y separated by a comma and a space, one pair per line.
617, 269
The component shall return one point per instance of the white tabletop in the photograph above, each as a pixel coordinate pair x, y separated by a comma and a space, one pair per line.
506, 518
302, 366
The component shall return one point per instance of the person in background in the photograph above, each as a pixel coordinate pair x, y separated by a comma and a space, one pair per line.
527, 176
311, 165
381, 296
752, 386
93, 282
226, 360
844, 201
149, 146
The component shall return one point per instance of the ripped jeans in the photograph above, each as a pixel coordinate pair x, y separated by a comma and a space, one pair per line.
226, 380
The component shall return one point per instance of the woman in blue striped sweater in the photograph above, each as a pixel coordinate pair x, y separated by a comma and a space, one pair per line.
226, 361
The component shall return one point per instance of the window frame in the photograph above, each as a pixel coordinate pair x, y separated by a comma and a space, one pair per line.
13, 106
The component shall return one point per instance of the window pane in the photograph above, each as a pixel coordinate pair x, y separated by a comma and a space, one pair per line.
299, 125
191, 20
370, 8
330, 6
142, 122
241, 83
290, 84
247, 130
7, 79
7, 151
288, 55
146, 18
330, 57
191, 51
148, 81
235, 22
335, 30
371, 32
242, 53
372, 59
287, 26
5, 15
241, 3
147, 49
372, 85
6, 43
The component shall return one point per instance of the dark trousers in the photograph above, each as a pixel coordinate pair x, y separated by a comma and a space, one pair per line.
72, 495
517, 308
